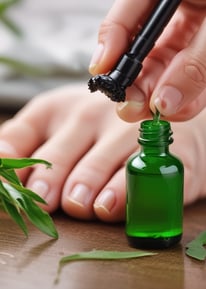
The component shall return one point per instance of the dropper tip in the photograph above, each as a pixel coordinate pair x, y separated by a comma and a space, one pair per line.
108, 86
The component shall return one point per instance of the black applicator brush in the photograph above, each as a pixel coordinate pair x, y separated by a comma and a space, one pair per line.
130, 64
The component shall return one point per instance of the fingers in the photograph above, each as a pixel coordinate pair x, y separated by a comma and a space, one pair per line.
184, 80
176, 80
116, 33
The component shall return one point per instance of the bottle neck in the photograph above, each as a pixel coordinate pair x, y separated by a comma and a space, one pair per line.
155, 136
152, 150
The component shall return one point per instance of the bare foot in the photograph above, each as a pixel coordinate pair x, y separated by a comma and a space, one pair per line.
81, 135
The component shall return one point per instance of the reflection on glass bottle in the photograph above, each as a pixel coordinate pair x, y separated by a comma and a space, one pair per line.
154, 211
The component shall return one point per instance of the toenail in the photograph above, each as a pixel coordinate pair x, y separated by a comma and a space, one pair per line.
40, 187
80, 195
106, 201
6, 148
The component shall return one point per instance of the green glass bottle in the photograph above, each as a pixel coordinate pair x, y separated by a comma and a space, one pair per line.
154, 177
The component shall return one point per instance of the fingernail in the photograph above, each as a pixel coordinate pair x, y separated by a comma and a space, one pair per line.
106, 201
96, 58
134, 105
80, 195
41, 188
6, 148
168, 100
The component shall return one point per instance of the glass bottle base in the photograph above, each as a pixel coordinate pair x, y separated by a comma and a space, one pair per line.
153, 243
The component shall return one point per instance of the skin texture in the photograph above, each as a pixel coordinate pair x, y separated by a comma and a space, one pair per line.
88, 145
84, 139
174, 75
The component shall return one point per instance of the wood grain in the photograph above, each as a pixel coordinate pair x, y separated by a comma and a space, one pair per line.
35, 259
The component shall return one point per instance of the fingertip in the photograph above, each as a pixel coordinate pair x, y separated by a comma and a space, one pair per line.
167, 100
130, 111
96, 59
107, 53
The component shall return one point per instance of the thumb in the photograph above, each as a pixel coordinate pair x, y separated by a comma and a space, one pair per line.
184, 80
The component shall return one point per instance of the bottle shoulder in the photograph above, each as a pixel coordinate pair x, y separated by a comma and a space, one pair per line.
166, 163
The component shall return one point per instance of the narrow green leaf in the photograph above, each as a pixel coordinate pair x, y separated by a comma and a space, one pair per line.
10, 175
18, 163
15, 199
101, 255
15, 215
10, 205
4, 5
40, 218
4, 194
35, 214
15, 189
104, 255
195, 248
10, 25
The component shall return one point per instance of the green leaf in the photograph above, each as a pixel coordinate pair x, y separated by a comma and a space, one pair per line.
9, 163
15, 215
195, 248
10, 25
101, 255
35, 214
39, 218
13, 189
15, 199
4, 6
104, 255
10, 175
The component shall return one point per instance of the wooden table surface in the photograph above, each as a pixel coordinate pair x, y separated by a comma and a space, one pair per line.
32, 262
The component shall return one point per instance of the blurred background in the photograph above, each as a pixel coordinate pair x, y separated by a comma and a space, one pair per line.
45, 44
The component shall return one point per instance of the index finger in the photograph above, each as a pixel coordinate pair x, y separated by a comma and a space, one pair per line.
121, 23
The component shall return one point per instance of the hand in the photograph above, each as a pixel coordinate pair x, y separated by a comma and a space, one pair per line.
173, 78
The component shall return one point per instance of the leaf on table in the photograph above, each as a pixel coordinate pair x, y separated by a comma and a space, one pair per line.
101, 255
196, 249
15, 199
104, 255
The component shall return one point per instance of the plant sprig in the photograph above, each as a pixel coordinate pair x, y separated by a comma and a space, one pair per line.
18, 201
196, 249
100, 255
